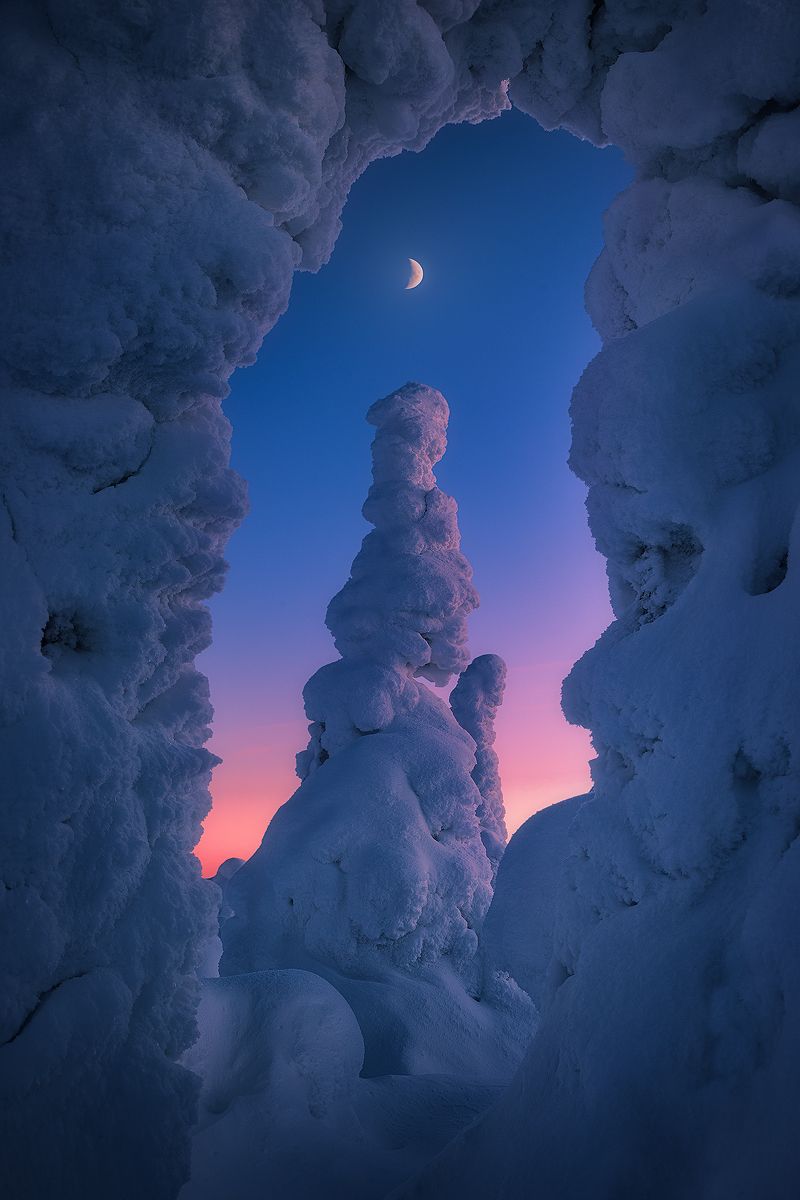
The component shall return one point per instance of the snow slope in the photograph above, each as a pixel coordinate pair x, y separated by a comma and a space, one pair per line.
283, 1109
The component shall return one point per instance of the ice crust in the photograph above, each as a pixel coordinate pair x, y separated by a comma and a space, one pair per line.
166, 171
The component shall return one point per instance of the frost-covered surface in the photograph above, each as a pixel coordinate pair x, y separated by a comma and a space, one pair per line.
474, 701
284, 1111
375, 874
356, 1025
518, 933
665, 1061
165, 169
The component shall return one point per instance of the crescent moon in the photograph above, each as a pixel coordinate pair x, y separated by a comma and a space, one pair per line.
415, 275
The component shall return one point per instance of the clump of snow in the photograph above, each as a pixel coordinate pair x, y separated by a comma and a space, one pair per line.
518, 934
211, 948
410, 589
187, 161
475, 700
375, 873
285, 1109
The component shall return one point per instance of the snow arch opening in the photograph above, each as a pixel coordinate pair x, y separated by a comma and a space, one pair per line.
185, 165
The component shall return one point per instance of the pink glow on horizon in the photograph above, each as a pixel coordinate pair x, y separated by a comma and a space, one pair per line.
254, 779
542, 760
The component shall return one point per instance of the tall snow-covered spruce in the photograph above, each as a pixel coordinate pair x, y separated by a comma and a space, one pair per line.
475, 700
375, 874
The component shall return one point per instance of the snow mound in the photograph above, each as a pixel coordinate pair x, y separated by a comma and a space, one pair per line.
474, 701
283, 1108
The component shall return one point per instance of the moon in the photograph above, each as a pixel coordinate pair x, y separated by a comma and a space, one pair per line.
415, 274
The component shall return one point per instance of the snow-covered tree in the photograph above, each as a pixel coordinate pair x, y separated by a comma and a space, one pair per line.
410, 589
475, 700
375, 869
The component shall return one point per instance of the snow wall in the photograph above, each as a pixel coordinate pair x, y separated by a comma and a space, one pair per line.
166, 170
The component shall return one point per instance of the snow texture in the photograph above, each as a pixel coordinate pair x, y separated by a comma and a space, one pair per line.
166, 169
475, 700
284, 1110
375, 874
517, 937
668, 982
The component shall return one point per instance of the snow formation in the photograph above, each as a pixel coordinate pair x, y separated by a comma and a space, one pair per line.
373, 877
166, 170
375, 874
475, 700
284, 1111
668, 983
517, 937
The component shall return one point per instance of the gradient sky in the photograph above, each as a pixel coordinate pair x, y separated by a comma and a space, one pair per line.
506, 221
